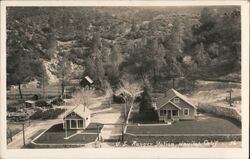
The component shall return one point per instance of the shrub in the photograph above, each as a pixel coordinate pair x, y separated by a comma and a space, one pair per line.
219, 111
47, 114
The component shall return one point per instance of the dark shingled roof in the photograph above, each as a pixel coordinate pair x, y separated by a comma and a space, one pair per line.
171, 93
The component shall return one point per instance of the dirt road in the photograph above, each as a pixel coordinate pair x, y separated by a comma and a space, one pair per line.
35, 128
30, 132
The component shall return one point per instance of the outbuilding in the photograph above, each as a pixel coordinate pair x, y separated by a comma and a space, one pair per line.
30, 103
87, 83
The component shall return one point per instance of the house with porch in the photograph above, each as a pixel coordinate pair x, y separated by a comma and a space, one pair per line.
174, 106
78, 118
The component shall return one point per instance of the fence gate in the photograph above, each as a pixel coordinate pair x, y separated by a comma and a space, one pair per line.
111, 132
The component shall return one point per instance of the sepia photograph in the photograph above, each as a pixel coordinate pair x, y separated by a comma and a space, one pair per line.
123, 77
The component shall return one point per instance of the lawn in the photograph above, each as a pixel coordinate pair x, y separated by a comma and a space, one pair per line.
56, 134
203, 125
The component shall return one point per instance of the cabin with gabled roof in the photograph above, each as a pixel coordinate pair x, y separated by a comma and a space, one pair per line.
175, 106
78, 118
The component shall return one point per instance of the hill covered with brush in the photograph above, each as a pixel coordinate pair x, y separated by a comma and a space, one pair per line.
111, 44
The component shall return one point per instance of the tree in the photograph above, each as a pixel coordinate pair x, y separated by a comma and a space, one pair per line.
112, 69
146, 101
175, 41
63, 68
21, 68
146, 60
158, 53
82, 97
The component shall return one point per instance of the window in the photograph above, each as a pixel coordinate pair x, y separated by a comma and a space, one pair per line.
163, 112
176, 100
80, 124
73, 114
73, 124
185, 111
175, 112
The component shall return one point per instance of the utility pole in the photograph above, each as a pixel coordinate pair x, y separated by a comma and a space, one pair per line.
123, 132
43, 86
230, 95
23, 135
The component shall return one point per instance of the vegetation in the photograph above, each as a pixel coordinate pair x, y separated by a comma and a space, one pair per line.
47, 114
146, 103
111, 46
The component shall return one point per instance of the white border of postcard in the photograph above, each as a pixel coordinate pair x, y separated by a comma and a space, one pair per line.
131, 152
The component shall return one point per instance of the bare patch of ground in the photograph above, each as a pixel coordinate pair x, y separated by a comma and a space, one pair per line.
216, 93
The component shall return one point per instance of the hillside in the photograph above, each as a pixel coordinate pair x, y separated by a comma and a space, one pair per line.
110, 44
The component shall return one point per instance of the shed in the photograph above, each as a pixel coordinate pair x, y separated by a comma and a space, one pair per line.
87, 82
30, 103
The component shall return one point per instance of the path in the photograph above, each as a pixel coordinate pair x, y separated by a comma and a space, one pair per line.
113, 115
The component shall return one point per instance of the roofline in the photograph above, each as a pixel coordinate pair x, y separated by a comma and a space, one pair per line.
72, 112
170, 103
186, 100
176, 95
166, 102
174, 104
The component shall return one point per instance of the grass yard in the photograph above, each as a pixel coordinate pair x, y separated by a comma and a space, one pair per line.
56, 134
203, 125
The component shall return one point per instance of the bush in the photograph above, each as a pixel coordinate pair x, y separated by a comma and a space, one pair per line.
57, 101
47, 114
41, 103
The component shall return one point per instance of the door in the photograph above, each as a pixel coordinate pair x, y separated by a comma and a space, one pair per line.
169, 114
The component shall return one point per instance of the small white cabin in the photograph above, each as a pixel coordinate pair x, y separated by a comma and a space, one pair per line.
78, 118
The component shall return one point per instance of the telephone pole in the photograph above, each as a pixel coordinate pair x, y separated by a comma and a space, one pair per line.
43, 86
23, 135
230, 95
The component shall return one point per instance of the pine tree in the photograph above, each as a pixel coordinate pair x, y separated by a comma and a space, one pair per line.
146, 101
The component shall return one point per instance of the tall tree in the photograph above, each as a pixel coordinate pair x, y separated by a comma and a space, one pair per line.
146, 101
63, 68
175, 42
21, 68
